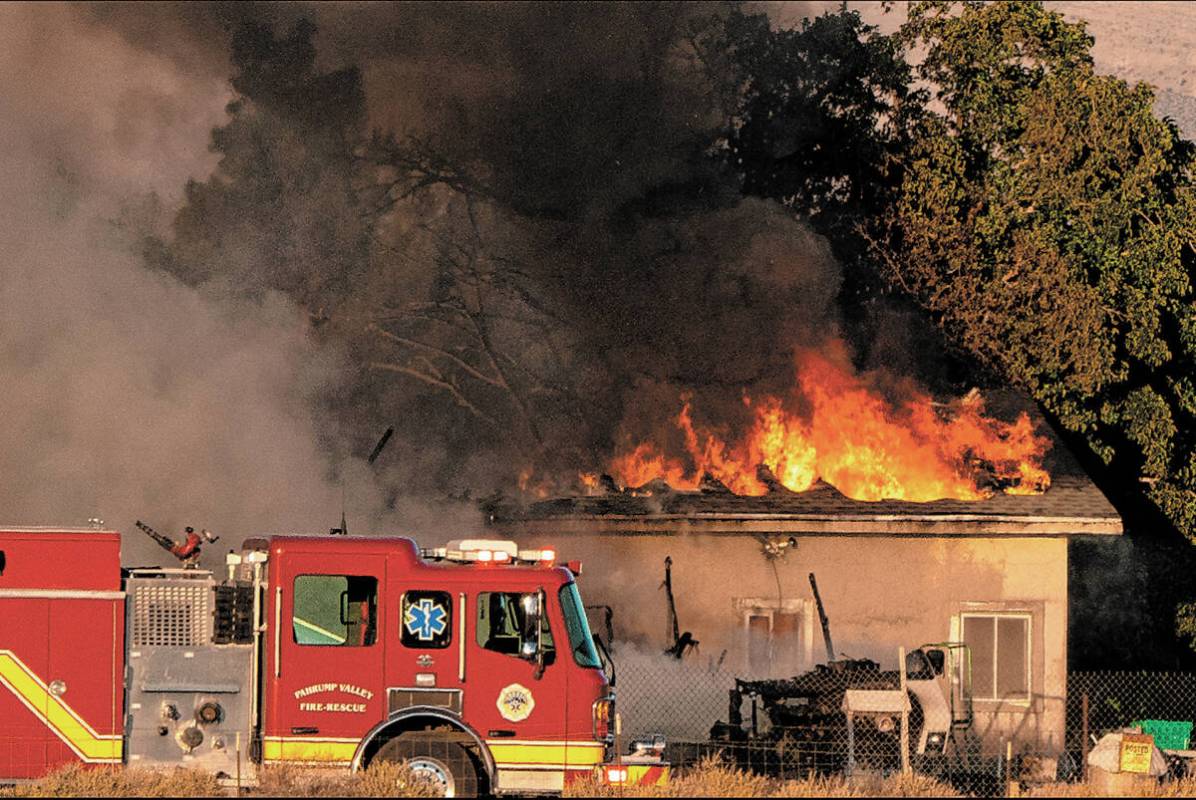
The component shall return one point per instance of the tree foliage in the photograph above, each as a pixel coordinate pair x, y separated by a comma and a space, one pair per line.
976, 165
816, 117
282, 210
1045, 218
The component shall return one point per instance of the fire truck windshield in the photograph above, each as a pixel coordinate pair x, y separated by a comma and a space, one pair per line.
581, 641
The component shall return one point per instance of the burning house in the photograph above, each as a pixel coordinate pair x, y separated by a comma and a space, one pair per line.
934, 539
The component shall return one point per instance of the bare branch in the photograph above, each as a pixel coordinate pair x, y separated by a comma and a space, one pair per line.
461, 364
440, 383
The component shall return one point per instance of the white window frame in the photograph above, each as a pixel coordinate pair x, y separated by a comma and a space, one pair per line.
748, 607
1029, 665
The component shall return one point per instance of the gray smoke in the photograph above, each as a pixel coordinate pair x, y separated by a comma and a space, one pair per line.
128, 395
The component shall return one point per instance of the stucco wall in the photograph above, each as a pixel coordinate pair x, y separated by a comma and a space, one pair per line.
880, 593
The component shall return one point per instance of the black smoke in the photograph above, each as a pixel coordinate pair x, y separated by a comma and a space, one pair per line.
573, 149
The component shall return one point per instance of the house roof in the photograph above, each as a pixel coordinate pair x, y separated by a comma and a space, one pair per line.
1073, 505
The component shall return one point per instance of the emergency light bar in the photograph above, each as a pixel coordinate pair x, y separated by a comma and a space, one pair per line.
489, 551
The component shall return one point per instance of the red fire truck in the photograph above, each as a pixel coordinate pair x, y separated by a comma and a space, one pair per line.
474, 663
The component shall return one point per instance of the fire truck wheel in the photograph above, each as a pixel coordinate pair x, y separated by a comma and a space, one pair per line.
447, 764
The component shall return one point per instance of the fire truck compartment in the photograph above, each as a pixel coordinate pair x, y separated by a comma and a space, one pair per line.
62, 621
189, 697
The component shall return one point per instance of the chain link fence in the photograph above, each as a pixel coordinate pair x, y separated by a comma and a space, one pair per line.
792, 728
1117, 700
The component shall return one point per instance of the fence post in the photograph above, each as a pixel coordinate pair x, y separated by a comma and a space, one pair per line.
1008, 767
904, 713
850, 744
1084, 736
618, 720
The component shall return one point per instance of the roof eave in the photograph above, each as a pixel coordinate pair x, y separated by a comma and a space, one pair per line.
813, 524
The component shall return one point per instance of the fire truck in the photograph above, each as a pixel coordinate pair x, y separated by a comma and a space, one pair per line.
473, 663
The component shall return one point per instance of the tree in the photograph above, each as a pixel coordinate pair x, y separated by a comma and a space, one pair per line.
282, 210
815, 113
479, 334
1045, 218
817, 118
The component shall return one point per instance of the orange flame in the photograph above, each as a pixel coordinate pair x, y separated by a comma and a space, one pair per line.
852, 437
529, 485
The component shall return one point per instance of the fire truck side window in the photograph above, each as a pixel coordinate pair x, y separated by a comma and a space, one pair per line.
335, 610
500, 620
427, 619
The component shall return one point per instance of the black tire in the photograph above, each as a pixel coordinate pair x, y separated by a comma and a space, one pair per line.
440, 758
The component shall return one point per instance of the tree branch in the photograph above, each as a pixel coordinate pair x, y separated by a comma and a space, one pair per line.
461, 364
440, 383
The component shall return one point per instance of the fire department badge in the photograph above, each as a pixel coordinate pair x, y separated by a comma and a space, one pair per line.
515, 702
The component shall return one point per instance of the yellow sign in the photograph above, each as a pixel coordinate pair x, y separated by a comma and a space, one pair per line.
1136, 749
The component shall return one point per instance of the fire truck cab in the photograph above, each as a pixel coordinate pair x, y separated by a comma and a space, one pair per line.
474, 663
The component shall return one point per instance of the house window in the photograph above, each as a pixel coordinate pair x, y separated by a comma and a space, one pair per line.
776, 634
1000, 648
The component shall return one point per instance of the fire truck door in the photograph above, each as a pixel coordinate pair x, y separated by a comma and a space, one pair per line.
24, 662
85, 678
325, 685
521, 715
427, 634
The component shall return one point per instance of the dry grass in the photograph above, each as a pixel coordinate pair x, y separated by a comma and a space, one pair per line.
1185, 787
79, 781
712, 778
382, 780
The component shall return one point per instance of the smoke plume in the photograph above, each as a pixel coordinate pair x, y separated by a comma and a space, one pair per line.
128, 395
584, 130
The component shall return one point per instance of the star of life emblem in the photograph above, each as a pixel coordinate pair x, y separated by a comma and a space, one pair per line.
425, 620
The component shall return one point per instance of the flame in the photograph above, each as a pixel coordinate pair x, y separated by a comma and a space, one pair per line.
530, 485
646, 463
851, 436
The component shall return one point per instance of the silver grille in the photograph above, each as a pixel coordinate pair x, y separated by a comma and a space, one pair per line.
171, 613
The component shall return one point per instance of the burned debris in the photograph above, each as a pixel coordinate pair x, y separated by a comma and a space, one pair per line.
682, 643
848, 714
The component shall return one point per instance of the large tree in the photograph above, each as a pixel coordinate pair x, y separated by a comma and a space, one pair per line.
1039, 212
817, 117
1045, 219
282, 211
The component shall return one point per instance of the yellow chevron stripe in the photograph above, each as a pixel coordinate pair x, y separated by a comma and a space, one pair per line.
306, 749
56, 714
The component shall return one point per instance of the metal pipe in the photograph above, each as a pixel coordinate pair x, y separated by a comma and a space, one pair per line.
255, 657
1084, 734
1008, 767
